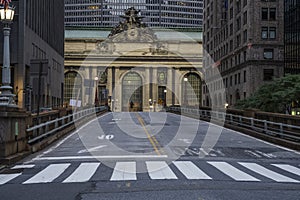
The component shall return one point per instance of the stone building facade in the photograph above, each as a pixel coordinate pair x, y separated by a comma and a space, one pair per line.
133, 67
244, 48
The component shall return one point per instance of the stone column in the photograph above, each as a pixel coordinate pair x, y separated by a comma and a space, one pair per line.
177, 82
118, 97
146, 95
155, 86
169, 86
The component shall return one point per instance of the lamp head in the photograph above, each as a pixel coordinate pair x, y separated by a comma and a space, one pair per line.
7, 13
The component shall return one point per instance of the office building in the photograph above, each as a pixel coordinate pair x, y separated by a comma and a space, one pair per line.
37, 53
157, 13
244, 42
292, 37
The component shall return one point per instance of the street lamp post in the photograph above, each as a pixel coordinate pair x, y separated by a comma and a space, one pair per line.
96, 92
185, 79
6, 96
165, 101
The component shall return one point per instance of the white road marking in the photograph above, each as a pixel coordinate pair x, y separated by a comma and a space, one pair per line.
204, 152
187, 141
289, 168
159, 170
4, 178
49, 174
101, 157
267, 173
65, 139
233, 172
23, 167
83, 173
124, 171
253, 153
268, 155
91, 149
190, 170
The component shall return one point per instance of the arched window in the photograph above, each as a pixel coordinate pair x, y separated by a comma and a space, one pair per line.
132, 92
72, 87
191, 90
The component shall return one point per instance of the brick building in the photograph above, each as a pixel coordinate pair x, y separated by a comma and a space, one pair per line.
244, 44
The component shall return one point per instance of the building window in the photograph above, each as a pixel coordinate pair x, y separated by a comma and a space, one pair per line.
272, 32
268, 74
245, 77
73, 87
268, 53
264, 14
191, 89
245, 36
245, 17
272, 14
264, 32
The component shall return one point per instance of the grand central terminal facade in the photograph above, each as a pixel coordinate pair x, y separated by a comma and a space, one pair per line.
132, 67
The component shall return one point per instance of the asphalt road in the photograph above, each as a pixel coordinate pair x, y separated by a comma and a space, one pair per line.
154, 156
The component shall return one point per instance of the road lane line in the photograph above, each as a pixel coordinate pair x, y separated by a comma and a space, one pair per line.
158, 145
190, 170
289, 168
159, 170
148, 135
124, 171
267, 173
49, 174
83, 173
23, 167
4, 178
233, 172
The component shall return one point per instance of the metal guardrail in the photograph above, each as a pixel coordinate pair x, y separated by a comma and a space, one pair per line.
281, 130
46, 129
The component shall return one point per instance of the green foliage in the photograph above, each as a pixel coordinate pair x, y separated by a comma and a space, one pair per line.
276, 96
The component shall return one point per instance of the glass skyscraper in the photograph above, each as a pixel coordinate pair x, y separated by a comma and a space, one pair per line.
292, 36
157, 13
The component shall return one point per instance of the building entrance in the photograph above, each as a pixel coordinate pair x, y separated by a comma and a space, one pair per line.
132, 92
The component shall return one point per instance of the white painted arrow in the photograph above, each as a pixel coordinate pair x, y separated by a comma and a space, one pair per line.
91, 149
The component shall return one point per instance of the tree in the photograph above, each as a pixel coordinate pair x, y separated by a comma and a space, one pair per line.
276, 96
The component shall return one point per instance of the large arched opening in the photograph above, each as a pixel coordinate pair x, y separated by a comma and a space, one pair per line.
191, 90
132, 92
72, 87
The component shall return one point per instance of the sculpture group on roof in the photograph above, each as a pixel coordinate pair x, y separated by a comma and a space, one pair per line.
132, 20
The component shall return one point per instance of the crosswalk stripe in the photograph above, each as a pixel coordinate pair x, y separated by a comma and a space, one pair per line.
23, 167
233, 172
124, 171
49, 174
83, 173
289, 168
267, 173
159, 170
4, 178
190, 171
